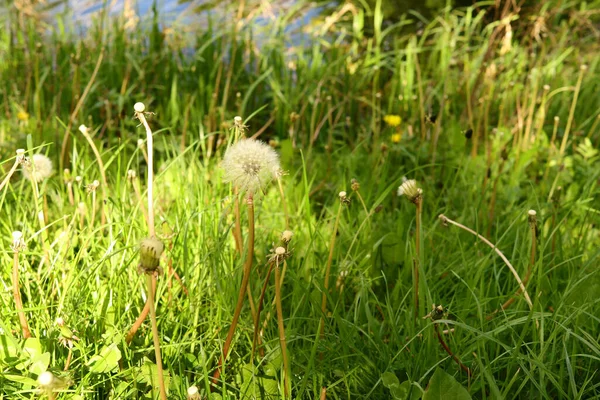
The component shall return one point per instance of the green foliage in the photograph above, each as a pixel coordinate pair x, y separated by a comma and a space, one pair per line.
319, 95
444, 387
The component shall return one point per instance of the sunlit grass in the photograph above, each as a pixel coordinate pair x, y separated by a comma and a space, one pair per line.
490, 126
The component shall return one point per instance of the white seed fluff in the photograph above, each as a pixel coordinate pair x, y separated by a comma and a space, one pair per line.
39, 169
250, 165
45, 379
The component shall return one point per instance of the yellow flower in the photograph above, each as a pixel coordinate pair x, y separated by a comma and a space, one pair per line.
22, 116
396, 137
392, 120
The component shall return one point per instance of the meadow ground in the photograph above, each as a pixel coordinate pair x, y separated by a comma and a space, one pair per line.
494, 112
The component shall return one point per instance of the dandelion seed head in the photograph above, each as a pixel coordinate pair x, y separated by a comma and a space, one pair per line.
280, 251
250, 165
39, 168
410, 190
287, 236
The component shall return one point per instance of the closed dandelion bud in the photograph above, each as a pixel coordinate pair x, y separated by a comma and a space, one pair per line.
93, 186
38, 169
150, 251
532, 217
410, 190
67, 175
344, 197
18, 243
20, 155
193, 393
250, 165
354, 185
84, 129
286, 236
139, 107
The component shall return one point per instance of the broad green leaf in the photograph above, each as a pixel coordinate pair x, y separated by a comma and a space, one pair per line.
106, 361
444, 387
39, 363
389, 379
33, 347
149, 375
21, 379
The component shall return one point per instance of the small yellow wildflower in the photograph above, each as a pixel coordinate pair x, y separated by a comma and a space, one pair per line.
392, 120
22, 116
396, 137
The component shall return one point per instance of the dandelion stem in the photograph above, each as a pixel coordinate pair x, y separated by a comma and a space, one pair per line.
138, 322
508, 264
532, 228
282, 342
159, 367
450, 353
245, 280
17, 296
149, 142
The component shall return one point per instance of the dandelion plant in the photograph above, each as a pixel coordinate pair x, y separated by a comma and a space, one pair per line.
413, 193
249, 165
151, 249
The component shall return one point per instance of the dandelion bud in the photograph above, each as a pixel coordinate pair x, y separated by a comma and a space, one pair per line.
532, 217
139, 107
354, 185
546, 87
150, 251
93, 186
410, 190
67, 175
20, 155
46, 380
249, 165
286, 236
193, 393
84, 129
17, 243
38, 169
131, 175
78, 179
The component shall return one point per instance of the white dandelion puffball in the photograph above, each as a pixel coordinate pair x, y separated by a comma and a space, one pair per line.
250, 164
39, 168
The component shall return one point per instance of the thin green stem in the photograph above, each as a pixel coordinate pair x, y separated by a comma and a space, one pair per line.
244, 285
282, 342
159, 367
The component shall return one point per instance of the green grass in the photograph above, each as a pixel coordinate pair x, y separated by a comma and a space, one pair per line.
339, 89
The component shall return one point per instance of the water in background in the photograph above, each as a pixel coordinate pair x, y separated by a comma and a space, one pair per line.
196, 12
